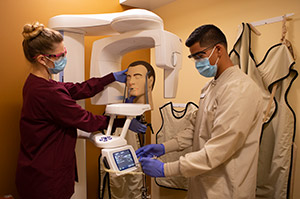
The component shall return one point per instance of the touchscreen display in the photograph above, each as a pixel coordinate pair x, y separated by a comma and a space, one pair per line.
124, 159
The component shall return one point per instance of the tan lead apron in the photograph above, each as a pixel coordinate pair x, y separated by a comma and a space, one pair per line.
173, 121
128, 185
275, 155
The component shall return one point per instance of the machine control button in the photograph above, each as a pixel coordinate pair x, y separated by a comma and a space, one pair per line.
105, 138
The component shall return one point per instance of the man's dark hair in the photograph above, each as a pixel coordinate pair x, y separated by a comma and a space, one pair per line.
150, 70
207, 35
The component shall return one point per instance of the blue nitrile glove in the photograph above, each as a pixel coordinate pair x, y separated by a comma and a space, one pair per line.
152, 167
120, 76
137, 126
151, 150
130, 99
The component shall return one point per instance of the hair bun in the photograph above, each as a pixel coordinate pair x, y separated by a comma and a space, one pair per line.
30, 31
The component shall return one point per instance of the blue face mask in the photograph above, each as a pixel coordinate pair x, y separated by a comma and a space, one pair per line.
205, 68
59, 65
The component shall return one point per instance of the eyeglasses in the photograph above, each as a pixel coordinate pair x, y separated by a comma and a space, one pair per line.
197, 55
62, 54
57, 55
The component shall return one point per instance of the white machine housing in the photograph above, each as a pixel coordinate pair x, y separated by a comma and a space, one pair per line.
121, 160
107, 56
129, 30
124, 109
116, 154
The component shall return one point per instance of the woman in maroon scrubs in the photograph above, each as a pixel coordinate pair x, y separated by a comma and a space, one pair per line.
50, 117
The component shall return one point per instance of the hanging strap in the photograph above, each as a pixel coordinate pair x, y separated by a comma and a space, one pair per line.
283, 37
284, 30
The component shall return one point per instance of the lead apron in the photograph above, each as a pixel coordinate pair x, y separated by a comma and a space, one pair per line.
174, 121
128, 185
275, 155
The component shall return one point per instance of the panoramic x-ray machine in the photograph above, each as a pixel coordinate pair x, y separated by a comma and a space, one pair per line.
128, 31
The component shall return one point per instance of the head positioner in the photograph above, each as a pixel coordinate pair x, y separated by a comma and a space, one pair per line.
131, 30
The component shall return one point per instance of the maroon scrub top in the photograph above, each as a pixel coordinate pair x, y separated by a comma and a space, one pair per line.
49, 119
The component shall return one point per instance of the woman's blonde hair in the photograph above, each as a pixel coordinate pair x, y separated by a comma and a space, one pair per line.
39, 40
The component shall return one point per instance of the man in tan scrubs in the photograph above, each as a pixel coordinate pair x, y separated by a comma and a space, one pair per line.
224, 134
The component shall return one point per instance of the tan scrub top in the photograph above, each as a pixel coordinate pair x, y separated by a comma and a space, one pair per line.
225, 140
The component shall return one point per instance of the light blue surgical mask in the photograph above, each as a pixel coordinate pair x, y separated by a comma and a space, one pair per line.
59, 65
205, 68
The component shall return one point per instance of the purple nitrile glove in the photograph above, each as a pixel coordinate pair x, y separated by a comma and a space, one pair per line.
121, 76
151, 150
137, 126
152, 167
130, 99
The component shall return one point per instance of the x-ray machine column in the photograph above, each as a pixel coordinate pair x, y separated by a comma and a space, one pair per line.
144, 29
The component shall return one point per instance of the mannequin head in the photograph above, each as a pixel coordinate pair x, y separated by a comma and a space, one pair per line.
140, 81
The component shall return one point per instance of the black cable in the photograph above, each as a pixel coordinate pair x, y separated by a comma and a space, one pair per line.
99, 176
105, 179
150, 125
108, 186
103, 188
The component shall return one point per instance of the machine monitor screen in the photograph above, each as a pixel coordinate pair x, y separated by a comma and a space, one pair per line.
124, 159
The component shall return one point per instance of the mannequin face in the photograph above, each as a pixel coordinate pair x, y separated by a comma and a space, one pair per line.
136, 80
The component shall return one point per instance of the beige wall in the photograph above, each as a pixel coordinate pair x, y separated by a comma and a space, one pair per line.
14, 70
180, 17
183, 16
